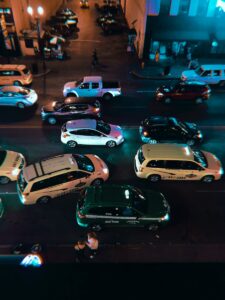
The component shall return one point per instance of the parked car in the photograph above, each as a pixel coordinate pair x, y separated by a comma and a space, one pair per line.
102, 18
169, 129
84, 4
11, 164
192, 91
92, 86
176, 162
91, 132
67, 12
60, 175
111, 26
69, 109
18, 96
210, 74
121, 205
15, 75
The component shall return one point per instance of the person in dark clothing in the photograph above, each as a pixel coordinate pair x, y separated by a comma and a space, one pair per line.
79, 248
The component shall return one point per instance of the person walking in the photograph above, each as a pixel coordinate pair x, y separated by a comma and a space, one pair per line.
157, 56
92, 243
95, 58
79, 248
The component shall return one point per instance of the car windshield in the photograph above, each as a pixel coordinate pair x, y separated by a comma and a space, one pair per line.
199, 71
139, 200
23, 91
57, 105
141, 157
3, 154
200, 158
84, 163
103, 127
79, 82
26, 71
22, 182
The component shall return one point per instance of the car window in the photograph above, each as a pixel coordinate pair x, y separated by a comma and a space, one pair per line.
200, 158
85, 132
103, 127
84, 85
97, 211
156, 164
84, 163
3, 154
49, 182
189, 165
217, 73
173, 164
95, 85
95, 133
206, 73
76, 175
128, 212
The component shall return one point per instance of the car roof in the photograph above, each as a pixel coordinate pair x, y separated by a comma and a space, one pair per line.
157, 120
81, 123
92, 78
213, 67
107, 195
12, 67
196, 83
11, 88
49, 166
167, 151
86, 100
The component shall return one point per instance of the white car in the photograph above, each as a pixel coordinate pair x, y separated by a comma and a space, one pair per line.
91, 132
18, 96
11, 163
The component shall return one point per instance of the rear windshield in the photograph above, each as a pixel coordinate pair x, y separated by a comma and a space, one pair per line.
3, 154
22, 182
140, 156
24, 91
84, 163
26, 71
103, 127
200, 158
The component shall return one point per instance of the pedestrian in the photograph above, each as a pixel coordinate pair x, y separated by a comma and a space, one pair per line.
79, 248
95, 57
157, 55
92, 243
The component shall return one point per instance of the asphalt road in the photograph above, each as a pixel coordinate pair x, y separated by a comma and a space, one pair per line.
197, 209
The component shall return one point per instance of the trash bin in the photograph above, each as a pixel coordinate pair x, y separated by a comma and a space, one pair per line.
34, 68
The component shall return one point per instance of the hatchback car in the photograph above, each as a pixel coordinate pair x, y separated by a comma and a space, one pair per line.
15, 75
169, 129
197, 92
69, 109
121, 205
91, 132
20, 97
11, 163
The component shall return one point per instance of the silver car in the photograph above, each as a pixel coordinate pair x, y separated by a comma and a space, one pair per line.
18, 96
91, 132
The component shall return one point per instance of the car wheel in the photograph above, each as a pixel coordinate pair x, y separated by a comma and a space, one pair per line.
43, 200
95, 227
154, 178
199, 100
111, 144
208, 179
17, 83
4, 180
190, 142
222, 83
20, 105
52, 121
71, 95
72, 144
152, 227
107, 96
167, 100
97, 182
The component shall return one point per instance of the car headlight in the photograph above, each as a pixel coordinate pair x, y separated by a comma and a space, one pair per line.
199, 135
159, 94
105, 170
166, 217
15, 172
221, 171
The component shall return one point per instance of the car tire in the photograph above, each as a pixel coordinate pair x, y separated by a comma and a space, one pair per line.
190, 142
107, 96
208, 179
154, 178
17, 83
97, 182
44, 200
4, 180
152, 227
20, 105
71, 95
222, 83
167, 100
199, 100
111, 144
52, 121
71, 144
95, 227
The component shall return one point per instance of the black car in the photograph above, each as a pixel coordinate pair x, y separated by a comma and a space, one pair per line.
102, 18
68, 13
71, 23
169, 129
70, 108
111, 26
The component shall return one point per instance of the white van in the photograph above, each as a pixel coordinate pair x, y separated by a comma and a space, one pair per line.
210, 74
15, 75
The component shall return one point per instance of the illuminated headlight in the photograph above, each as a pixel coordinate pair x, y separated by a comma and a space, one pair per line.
15, 172
53, 103
105, 170
159, 94
221, 171
166, 217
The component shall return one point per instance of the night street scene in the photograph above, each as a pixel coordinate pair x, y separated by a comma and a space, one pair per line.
112, 137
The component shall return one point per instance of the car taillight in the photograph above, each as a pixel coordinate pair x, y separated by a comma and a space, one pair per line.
81, 216
65, 135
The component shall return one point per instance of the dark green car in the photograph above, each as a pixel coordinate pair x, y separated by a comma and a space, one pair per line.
121, 205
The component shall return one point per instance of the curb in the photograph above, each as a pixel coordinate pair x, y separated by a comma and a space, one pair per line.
135, 74
41, 74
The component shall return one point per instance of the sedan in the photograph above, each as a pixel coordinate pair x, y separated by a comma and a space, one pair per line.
91, 132
17, 96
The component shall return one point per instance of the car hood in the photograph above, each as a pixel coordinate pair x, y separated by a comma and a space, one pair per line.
157, 206
48, 107
189, 74
214, 163
116, 131
70, 85
12, 160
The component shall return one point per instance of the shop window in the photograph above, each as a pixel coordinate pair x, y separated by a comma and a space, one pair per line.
184, 7
29, 43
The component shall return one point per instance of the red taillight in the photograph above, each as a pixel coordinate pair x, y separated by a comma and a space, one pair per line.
81, 216
65, 135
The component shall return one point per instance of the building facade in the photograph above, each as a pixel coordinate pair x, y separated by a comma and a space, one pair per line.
175, 25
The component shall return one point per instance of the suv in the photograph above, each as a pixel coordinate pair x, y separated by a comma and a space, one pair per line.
60, 175
121, 205
176, 162
187, 90
69, 109
15, 75
169, 129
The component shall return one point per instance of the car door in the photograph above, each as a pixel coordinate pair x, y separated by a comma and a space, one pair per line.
77, 180
85, 90
81, 136
207, 76
173, 170
177, 93
95, 89
9, 99
64, 113
129, 217
97, 137
5, 77
192, 171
